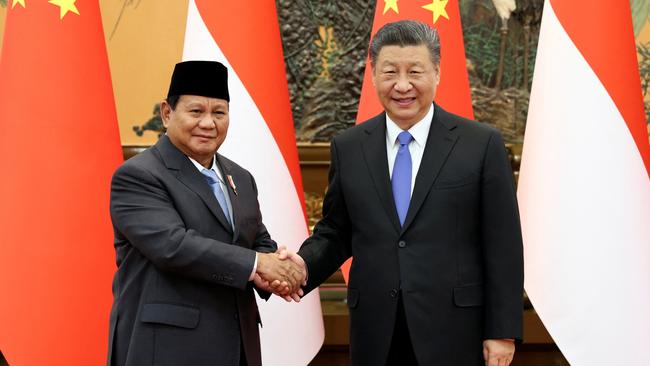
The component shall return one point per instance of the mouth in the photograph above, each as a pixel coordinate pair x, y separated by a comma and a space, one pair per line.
205, 137
404, 102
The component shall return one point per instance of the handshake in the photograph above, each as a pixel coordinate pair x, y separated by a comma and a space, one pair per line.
282, 273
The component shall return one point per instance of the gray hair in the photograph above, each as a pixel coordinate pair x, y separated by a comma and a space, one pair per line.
406, 33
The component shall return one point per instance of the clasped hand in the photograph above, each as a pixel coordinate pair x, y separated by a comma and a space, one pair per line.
282, 273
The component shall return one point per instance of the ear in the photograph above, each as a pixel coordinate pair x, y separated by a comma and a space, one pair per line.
437, 79
165, 113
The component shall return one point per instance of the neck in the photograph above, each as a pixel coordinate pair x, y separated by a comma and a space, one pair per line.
207, 163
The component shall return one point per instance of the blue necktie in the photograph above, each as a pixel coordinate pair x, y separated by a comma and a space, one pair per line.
213, 181
401, 179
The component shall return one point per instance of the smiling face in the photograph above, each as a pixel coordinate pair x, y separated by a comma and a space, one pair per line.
197, 126
406, 81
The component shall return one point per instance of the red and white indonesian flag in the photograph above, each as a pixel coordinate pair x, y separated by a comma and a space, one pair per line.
584, 187
245, 36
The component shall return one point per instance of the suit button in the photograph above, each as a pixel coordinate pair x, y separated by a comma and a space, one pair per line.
393, 293
401, 244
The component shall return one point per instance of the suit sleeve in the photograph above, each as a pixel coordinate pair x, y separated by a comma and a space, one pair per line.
263, 242
143, 213
329, 245
502, 245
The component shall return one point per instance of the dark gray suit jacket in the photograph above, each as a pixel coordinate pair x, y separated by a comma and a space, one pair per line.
181, 291
457, 260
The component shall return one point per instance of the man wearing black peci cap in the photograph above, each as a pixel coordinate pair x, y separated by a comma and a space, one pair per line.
189, 239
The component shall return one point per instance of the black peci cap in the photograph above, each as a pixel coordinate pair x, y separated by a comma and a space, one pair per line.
204, 78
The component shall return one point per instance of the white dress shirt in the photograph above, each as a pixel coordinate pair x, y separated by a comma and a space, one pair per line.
420, 133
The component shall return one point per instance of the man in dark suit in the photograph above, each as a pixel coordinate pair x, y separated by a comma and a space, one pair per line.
425, 202
189, 238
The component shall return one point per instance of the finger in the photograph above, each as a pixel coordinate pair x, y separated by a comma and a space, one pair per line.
287, 298
283, 253
509, 360
280, 287
301, 293
287, 287
493, 361
295, 297
283, 291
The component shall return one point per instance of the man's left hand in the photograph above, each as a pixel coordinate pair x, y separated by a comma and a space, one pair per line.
498, 352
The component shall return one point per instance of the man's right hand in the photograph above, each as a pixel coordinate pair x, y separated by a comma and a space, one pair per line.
285, 275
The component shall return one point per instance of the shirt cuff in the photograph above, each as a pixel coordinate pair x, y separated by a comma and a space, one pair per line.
252, 276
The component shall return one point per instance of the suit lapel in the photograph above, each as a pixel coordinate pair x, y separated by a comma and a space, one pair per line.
187, 173
374, 151
440, 142
226, 172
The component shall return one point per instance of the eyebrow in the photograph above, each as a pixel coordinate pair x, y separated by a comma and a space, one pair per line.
389, 63
194, 104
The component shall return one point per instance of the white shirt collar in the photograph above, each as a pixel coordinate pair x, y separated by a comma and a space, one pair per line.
419, 131
213, 167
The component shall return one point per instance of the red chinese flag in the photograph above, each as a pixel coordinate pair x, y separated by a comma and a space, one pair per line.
453, 92
59, 145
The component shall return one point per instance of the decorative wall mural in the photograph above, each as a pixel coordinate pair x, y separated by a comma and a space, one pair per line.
500, 49
325, 46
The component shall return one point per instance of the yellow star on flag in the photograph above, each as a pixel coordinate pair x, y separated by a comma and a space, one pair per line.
392, 5
66, 6
21, 2
438, 9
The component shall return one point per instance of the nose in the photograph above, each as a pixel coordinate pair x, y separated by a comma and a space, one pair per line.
207, 122
403, 84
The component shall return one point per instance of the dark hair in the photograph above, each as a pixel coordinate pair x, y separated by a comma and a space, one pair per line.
406, 33
172, 100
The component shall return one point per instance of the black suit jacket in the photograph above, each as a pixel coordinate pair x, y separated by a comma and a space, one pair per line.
181, 291
457, 261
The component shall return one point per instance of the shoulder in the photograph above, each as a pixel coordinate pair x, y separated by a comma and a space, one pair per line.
465, 127
142, 165
355, 133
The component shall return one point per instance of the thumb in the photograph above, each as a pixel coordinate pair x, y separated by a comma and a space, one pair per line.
282, 252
